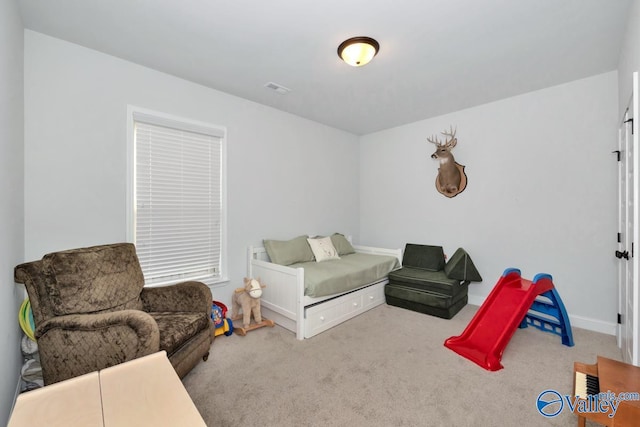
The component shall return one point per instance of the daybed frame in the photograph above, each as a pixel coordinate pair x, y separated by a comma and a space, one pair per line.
283, 299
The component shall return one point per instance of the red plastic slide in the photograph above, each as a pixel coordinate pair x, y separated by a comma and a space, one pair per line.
487, 335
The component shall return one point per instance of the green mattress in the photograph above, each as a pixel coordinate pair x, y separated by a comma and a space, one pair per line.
345, 274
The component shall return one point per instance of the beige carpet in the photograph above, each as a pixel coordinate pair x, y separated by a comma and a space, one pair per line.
386, 367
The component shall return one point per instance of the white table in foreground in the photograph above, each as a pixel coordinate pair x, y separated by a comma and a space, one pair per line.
146, 392
74, 402
143, 392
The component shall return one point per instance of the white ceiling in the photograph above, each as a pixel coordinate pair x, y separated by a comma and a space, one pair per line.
436, 56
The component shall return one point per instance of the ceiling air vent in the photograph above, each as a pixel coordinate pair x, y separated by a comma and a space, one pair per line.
278, 88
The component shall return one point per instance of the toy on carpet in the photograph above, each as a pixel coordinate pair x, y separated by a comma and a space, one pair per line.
247, 299
220, 321
513, 303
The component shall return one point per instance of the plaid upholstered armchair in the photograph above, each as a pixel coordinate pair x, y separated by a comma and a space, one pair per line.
92, 311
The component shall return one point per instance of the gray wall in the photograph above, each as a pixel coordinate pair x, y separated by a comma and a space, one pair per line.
629, 57
541, 193
11, 195
286, 175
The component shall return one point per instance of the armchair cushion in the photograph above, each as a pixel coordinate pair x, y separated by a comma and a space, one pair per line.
94, 279
178, 328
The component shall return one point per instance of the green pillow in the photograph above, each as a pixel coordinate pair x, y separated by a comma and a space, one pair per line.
425, 257
341, 244
287, 252
461, 267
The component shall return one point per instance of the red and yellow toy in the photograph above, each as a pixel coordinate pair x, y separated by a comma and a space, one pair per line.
220, 321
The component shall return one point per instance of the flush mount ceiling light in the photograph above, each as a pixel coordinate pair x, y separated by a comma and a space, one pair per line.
358, 51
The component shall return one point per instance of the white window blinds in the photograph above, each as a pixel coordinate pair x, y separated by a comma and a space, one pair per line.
178, 199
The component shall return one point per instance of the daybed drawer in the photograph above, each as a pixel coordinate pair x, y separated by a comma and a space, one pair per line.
323, 316
373, 296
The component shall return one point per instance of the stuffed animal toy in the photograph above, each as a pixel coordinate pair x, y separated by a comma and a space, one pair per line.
248, 299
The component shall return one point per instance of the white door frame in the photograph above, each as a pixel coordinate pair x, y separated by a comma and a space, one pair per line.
629, 228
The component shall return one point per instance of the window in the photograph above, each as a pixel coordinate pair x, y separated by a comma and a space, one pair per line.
177, 211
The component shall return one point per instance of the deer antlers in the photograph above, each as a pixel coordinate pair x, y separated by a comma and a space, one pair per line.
449, 143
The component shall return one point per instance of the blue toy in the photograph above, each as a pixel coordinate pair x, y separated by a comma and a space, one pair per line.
549, 315
220, 321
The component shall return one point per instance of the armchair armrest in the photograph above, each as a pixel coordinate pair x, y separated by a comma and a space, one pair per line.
77, 344
186, 296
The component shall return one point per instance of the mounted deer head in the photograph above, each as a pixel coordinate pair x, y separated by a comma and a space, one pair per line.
450, 180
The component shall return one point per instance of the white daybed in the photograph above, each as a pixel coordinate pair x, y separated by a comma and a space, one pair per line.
285, 302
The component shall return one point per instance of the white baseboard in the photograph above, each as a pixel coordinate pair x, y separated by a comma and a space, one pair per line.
595, 325
608, 328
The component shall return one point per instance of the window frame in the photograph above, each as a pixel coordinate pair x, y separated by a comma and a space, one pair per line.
188, 125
